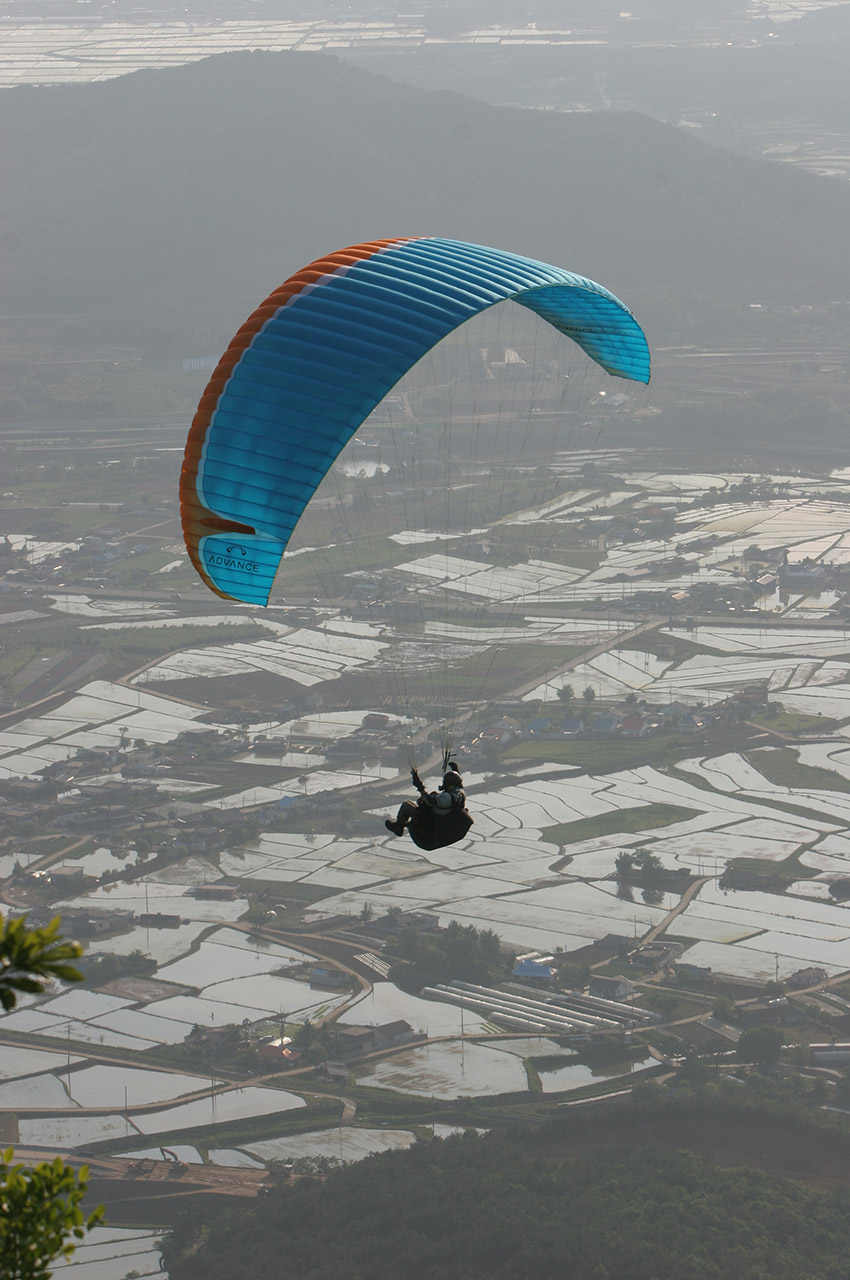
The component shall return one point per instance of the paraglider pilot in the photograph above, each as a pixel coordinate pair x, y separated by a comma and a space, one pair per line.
439, 817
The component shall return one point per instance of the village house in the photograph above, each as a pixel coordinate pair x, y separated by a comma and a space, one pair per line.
635, 727
28, 788
606, 724
356, 1041
610, 988
158, 920
421, 921
654, 955
66, 874
496, 735
617, 942
213, 892
391, 1033
279, 1051
104, 817
85, 923
807, 978
212, 1038
768, 1012
332, 979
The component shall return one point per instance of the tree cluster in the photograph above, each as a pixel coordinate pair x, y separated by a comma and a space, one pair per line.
317, 1043
459, 951
640, 867
100, 969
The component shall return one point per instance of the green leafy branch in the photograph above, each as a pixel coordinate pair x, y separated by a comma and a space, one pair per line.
40, 1207
29, 958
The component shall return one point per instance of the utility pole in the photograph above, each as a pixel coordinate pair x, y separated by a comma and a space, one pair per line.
462, 1041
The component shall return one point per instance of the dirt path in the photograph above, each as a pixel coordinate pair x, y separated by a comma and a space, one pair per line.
690, 893
612, 641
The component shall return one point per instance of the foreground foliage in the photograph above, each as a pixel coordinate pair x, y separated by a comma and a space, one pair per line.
40, 1213
40, 1216
30, 958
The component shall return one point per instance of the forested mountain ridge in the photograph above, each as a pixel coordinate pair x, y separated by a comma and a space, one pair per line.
167, 192
551, 1204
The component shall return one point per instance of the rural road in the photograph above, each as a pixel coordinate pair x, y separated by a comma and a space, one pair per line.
691, 892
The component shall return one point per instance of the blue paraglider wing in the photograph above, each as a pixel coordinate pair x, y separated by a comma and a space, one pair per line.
317, 357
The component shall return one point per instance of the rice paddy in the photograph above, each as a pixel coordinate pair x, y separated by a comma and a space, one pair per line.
538, 867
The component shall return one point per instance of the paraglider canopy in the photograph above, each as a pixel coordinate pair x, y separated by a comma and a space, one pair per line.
321, 352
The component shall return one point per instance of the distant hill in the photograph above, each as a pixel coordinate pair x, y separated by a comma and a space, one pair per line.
186, 194
762, 90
